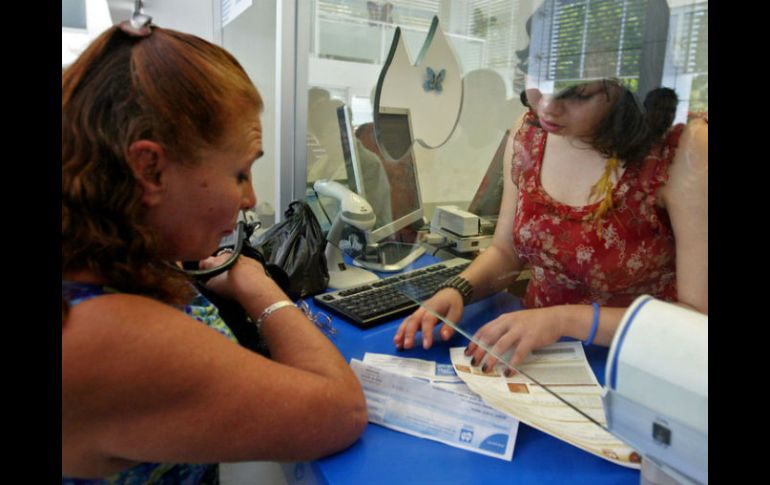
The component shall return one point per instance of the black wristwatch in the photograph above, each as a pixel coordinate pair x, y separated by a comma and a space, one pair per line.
460, 284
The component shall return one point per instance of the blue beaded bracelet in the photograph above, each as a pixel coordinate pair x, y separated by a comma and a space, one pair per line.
594, 325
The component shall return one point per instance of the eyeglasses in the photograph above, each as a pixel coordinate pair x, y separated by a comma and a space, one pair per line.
319, 318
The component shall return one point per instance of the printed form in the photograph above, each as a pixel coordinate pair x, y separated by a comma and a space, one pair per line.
425, 399
564, 369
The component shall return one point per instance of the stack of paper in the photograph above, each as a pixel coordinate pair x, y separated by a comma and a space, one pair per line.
428, 400
562, 368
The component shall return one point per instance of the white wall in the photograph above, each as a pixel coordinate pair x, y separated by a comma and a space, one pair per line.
75, 41
359, 78
191, 16
251, 39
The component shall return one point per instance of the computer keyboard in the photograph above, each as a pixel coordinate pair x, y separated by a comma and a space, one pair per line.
369, 305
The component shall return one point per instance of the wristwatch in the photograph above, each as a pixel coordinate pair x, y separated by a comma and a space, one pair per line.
461, 285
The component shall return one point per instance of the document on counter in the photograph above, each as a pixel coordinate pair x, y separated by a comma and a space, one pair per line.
442, 375
563, 368
446, 412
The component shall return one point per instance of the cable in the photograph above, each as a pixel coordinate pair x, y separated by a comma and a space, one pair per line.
318, 198
445, 246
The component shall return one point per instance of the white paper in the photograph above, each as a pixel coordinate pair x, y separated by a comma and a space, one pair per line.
233, 8
441, 375
564, 369
417, 407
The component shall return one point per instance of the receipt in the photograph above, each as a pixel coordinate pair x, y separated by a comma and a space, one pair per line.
442, 375
437, 412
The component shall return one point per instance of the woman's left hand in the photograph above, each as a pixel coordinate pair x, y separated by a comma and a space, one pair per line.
523, 330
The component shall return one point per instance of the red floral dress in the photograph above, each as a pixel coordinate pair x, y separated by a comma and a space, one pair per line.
570, 262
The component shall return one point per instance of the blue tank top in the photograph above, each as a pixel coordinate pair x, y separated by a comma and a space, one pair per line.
200, 309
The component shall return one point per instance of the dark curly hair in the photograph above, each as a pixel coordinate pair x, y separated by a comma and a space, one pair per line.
173, 88
629, 132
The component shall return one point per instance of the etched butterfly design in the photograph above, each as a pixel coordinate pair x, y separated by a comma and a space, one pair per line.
434, 80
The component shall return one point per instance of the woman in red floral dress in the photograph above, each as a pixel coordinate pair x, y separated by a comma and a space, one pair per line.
592, 246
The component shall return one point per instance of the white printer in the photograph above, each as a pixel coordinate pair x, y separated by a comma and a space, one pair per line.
656, 390
464, 232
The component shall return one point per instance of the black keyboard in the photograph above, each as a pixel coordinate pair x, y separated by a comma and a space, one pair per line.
369, 305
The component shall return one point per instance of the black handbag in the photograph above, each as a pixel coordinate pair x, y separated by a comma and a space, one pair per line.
296, 245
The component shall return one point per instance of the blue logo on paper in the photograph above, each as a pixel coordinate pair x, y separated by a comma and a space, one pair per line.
495, 443
445, 370
466, 435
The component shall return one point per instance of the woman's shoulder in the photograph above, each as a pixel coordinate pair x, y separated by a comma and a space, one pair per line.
108, 330
683, 134
523, 130
526, 122
108, 296
106, 312
691, 157
696, 131
683, 166
124, 339
124, 348
687, 141
698, 115
678, 142
107, 304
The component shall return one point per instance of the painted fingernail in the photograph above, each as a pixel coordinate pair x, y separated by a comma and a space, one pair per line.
508, 373
484, 368
473, 362
467, 351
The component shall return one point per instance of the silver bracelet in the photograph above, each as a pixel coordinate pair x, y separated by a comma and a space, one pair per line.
272, 309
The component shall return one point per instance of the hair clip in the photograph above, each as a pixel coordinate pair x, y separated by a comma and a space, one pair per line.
127, 26
139, 24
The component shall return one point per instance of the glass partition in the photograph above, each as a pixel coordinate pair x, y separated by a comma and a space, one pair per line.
349, 45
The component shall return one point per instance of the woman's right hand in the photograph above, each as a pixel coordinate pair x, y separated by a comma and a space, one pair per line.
241, 280
447, 303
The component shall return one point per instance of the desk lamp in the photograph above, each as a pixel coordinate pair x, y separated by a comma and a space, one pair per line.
357, 212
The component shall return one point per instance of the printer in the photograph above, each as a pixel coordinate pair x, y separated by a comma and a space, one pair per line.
464, 232
656, 390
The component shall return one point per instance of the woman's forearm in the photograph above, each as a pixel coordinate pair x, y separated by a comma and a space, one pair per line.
577, 321
492, 271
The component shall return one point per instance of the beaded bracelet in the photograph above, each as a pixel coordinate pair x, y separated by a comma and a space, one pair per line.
594, 325
463, 286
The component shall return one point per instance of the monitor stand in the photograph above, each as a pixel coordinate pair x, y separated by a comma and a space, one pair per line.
342, 275
340, 278
390, 256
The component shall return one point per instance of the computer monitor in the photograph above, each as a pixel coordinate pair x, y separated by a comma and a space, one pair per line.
365, 177
390, 186
486, 200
